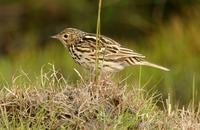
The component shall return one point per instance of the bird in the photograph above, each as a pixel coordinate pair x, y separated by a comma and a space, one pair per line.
112, 56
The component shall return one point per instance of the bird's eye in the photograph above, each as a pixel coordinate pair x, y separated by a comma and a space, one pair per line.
65, 36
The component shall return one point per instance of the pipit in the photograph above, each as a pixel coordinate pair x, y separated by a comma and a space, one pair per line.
111, 55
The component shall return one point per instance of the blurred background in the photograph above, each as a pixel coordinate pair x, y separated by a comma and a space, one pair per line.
166, 31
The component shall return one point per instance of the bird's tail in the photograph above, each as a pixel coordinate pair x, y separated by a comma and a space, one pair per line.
146, 63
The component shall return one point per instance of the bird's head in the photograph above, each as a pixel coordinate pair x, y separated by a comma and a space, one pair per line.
69, 36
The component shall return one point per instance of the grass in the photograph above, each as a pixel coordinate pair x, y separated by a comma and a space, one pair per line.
98, 29
52, 103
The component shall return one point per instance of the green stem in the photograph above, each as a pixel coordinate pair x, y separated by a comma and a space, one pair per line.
193, 91
97, 41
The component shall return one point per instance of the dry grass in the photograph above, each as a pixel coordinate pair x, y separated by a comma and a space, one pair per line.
53, 104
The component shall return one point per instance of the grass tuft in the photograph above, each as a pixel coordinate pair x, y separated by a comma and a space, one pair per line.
54, 104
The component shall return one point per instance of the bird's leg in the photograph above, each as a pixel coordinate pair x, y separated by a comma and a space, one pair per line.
104, 78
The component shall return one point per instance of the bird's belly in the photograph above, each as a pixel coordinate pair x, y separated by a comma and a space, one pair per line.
111, 66
102, 65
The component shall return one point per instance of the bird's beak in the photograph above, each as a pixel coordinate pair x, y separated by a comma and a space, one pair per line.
55, 36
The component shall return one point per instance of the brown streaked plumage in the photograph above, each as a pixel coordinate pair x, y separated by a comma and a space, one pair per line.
112, 56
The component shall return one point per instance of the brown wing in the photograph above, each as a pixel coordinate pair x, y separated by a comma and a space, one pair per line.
108, 48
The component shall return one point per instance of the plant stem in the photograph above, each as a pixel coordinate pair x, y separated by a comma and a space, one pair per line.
97, 41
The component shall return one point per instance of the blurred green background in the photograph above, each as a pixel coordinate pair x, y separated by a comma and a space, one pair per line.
166, 31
